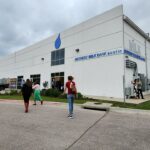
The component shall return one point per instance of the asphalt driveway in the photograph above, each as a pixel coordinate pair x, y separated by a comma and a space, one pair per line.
48, 128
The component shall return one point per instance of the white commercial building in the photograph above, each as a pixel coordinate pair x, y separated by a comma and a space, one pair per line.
104, 54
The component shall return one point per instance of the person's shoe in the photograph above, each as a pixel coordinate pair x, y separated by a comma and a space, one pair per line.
34, 104
70, 114
70, 117
26, 111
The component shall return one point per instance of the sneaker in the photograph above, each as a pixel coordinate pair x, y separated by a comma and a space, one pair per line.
70, 117
70, 114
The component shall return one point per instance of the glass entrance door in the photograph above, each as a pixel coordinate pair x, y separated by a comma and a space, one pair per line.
57, 80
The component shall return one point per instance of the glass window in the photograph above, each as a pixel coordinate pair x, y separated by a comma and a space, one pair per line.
57, 62
61, 73
61, 54
35, 77
57, 81
19, 82
57, 57
61, 61
57, 74
53, 74
53, 56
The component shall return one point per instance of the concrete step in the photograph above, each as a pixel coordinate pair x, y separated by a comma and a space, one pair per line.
97, 106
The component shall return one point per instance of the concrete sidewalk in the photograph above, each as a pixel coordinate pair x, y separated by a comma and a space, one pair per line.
48, 128
131, 101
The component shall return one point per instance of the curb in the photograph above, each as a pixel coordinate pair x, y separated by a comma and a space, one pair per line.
93, 106
131, 111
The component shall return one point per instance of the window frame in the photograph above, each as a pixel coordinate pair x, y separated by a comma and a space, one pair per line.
58, 57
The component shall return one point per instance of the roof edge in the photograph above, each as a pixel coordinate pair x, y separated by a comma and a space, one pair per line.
133, 25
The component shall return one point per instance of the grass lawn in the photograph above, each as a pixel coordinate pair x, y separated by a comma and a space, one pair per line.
144, 105
45, 98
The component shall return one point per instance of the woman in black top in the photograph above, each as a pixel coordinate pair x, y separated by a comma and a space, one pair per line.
26, 92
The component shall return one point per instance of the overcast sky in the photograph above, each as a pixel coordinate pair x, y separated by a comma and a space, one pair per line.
24, 22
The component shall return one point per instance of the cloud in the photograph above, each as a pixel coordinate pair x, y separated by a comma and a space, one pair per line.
24, 22
138, 11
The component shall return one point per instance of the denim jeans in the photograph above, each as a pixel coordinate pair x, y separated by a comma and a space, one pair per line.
70, 98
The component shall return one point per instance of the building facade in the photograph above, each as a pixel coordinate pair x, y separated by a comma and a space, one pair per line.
104, 54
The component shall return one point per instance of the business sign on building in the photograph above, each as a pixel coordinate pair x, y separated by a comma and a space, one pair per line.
108, 53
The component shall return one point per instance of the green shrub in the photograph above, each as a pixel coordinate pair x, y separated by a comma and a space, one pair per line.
56, 93
80, 96
63, 96
45, 84
19, 92
13, 92
43, 91
52, 93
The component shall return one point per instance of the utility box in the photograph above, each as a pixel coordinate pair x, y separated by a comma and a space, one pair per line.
128, 92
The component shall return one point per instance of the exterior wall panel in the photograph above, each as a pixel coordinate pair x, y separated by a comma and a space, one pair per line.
101, 76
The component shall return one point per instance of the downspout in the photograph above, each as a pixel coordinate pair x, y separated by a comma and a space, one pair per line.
124, 63
146, 66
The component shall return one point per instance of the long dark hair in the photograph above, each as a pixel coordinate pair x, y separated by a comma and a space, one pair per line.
28, 82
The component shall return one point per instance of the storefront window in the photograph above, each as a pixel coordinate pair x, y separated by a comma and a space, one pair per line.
35, 77
57, 80
19, 82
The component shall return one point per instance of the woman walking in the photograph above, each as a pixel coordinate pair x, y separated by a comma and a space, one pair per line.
37, 96
26, 92
72, 91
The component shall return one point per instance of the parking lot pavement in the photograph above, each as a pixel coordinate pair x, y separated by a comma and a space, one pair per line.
47, 128
43, 128
118, 131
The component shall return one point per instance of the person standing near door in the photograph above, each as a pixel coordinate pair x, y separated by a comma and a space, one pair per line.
53, 84
72, 91
139, 88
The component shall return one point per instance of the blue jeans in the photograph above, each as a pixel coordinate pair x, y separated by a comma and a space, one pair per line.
70, 98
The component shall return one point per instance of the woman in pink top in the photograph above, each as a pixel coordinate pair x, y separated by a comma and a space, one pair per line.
37, 96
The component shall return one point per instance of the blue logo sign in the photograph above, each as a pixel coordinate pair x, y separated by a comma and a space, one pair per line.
100, 54
58, 42
109, 53
134, 55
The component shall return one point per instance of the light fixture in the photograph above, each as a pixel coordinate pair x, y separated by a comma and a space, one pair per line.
77, 50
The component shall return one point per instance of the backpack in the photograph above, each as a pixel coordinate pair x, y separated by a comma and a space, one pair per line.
73, 87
